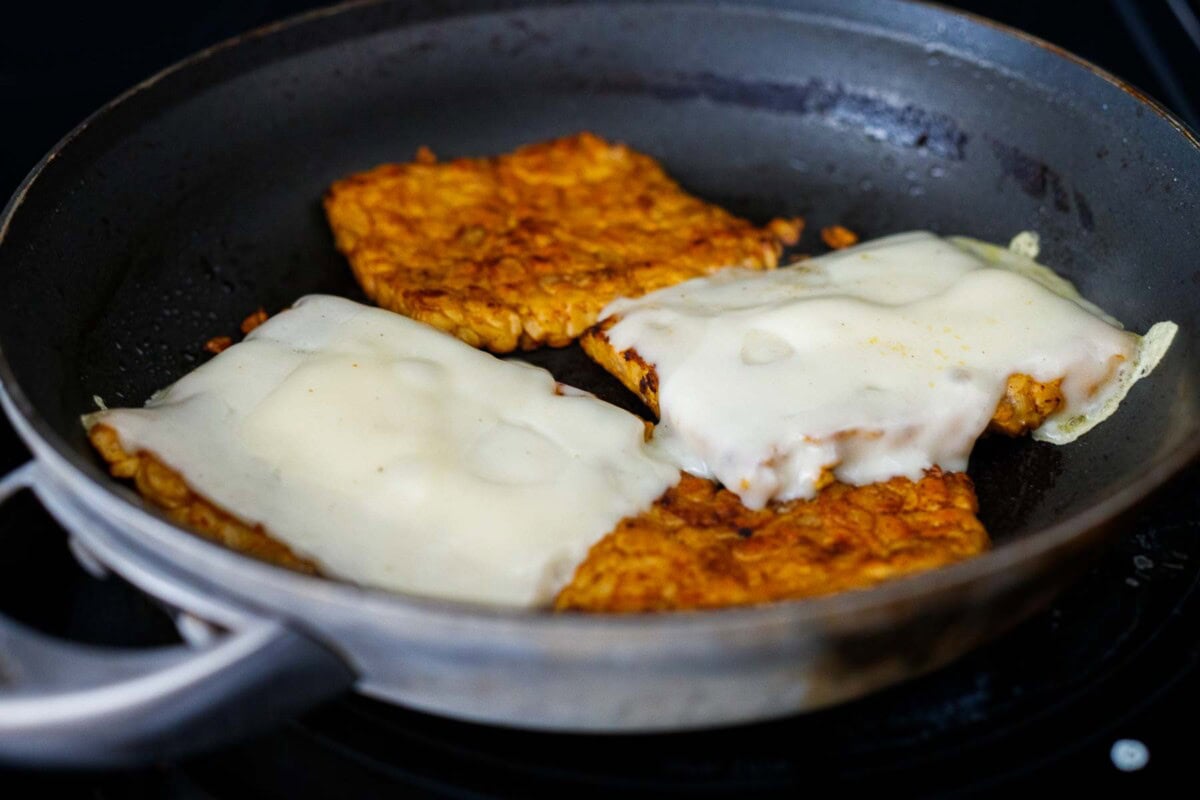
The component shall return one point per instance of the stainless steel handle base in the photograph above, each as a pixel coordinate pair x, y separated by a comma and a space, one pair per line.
64, 704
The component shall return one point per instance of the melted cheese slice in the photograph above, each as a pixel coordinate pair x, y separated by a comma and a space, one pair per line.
875, 361
397, 456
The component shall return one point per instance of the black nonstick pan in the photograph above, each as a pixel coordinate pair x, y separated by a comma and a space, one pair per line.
195, 198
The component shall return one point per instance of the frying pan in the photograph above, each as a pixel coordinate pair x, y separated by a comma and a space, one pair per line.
194, 198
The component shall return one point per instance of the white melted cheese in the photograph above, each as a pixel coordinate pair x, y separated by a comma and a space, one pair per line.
396, 456
876, 361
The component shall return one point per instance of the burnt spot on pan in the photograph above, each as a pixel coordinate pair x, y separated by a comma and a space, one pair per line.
901, 124
1086, 220
1033, 177
1039, 180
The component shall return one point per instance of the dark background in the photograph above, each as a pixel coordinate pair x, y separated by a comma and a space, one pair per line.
60, 62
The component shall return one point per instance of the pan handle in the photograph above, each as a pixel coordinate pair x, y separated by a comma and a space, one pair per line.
66, 704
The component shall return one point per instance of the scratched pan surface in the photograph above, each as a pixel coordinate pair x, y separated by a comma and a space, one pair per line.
195, 200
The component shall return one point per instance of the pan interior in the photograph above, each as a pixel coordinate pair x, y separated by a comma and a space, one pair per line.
192, 203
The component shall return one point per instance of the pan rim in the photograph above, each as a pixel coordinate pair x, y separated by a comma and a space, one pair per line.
113, 502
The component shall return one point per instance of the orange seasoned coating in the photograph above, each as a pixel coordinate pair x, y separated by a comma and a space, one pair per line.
252, 321
696, 547
167, 489
218, 344
837, 238
525, 249
1026, 403
699, 547
627, 366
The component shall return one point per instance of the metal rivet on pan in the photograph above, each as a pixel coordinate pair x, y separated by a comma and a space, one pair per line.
91, 565
1129, 755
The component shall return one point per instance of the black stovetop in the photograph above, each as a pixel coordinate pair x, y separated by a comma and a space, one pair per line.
1081, 694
